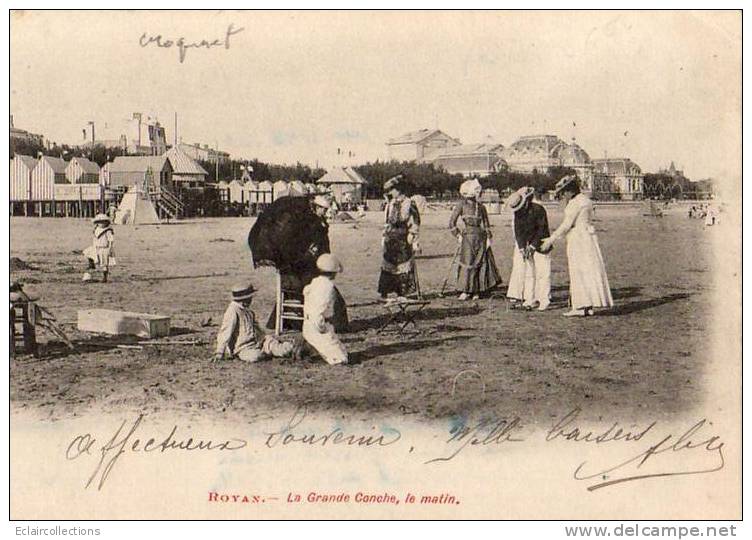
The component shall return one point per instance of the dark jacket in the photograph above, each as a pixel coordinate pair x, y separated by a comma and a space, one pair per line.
531, 226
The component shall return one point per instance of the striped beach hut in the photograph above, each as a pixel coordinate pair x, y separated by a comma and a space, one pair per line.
82, 171
21, 168
48, 172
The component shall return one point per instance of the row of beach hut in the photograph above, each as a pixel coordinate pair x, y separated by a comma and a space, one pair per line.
52, 186
343, 183
254, 192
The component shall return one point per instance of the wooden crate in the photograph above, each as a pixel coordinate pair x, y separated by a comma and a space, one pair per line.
108, 321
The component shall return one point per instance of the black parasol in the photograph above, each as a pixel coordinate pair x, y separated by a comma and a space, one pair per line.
288, 235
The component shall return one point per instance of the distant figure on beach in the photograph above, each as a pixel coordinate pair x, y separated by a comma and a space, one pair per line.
99, 253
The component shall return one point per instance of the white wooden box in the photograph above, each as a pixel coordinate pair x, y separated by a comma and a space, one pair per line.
108, 321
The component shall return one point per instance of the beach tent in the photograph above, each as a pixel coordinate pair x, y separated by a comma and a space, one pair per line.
297, 189
265, 192
236, 192
136, 208
251, 191
280, 189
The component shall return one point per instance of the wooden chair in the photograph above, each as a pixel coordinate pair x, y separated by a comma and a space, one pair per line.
23, 336
288, 307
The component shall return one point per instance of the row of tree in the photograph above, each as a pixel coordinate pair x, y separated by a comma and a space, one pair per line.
98, 154
425, 179
666, 186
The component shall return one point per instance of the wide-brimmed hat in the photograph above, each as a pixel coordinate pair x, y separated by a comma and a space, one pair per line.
517, 199
328, 263
471, 188
564, 183
394, 182
101, 218
243, 292
323, 202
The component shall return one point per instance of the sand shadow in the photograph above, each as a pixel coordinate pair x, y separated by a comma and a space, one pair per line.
641, 305
427, 314
400, 346
179, 331
53, 350
137, 277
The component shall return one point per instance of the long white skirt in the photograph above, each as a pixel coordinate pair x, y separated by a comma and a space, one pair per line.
588, 282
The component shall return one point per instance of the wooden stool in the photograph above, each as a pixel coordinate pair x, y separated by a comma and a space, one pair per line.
23, 335
288, 309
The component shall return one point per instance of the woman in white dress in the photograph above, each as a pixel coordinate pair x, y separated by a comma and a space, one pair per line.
588, 282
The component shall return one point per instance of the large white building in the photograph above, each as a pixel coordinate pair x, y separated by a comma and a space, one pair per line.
618, 178
422, 145
471, 159
23, 135
201, 152
139, 135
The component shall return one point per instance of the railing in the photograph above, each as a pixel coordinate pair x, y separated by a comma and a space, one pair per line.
167, 202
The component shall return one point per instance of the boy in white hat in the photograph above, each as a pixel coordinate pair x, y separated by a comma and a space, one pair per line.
530, 282
99, 253
318, 310
240, 336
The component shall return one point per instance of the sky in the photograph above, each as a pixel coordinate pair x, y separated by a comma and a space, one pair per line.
294, 86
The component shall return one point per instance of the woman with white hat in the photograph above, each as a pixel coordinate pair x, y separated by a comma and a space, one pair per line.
99, 253
399, 242
530, 282
588, 282
476, 269
318, 311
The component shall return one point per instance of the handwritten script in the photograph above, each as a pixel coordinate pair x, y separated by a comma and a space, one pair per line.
182, 44
644, 451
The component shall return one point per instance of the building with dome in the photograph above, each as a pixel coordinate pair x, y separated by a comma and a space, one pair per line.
542, 152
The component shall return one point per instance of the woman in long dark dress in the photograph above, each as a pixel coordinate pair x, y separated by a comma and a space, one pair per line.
476, 269
402, 224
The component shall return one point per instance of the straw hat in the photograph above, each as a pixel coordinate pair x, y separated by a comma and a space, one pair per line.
101, 218
564, 182
517, 199
328, 263
394, 182
243, 292
323, 202
471, 188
